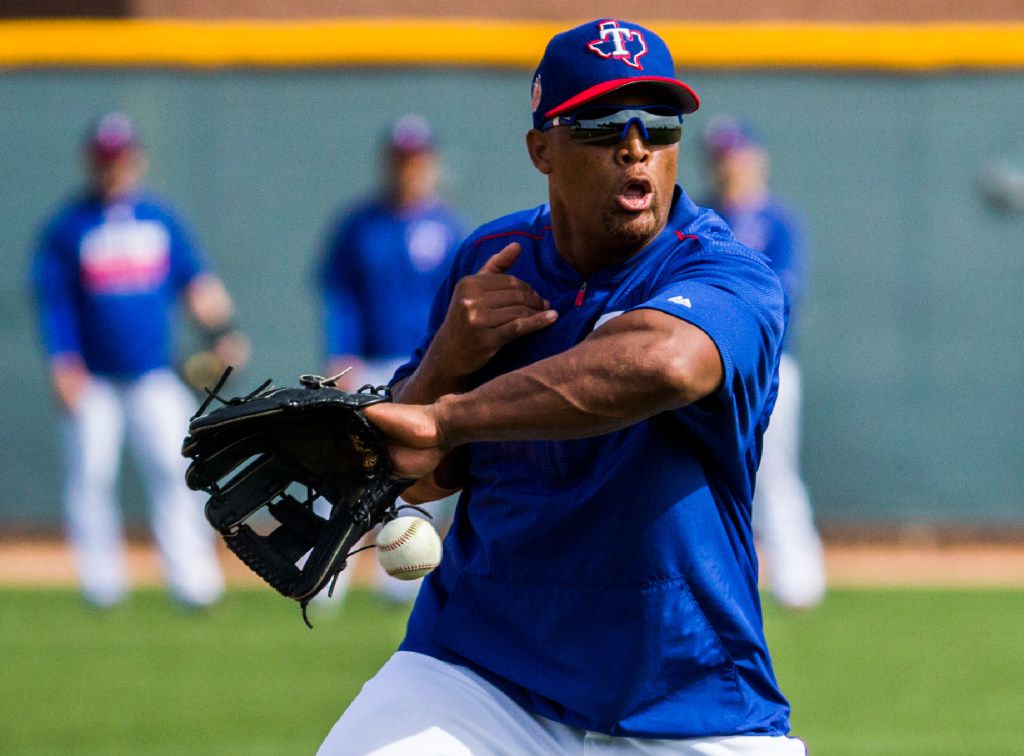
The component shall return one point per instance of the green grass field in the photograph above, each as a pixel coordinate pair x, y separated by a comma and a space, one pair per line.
871, 672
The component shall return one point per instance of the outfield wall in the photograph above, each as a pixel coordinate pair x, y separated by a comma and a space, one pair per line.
910, 338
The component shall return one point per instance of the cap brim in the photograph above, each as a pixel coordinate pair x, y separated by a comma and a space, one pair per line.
418, 149
106, 153
680, 94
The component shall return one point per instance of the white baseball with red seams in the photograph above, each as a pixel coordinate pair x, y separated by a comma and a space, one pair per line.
408, 548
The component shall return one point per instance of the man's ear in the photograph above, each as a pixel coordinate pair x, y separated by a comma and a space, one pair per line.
539, 145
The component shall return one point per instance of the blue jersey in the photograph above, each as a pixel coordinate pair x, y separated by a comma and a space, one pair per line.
107, 277
772, 228
610, 583
380, 274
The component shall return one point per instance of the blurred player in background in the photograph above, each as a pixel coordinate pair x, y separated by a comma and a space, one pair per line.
783, 521
108, 272
384, 261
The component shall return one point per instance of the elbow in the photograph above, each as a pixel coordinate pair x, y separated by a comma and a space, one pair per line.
689, 372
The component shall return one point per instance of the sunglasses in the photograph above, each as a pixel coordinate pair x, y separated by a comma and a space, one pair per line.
605, 125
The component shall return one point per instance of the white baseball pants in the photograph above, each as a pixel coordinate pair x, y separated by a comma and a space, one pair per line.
154, 410
783, 522
420, 706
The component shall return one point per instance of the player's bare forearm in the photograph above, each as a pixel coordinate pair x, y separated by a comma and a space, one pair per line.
70, 379
636, 366
633, 367
213, 311
208, 301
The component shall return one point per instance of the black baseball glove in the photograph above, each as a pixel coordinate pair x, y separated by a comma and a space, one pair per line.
250, 453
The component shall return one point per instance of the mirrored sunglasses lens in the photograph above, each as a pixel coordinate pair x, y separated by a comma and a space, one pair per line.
659, 135
605, 128
596, 136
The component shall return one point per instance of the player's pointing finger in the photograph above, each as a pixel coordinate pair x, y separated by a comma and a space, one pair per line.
510, 286
504, 296
521, 326
501, 261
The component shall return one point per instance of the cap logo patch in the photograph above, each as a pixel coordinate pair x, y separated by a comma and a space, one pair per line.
620, 43
535, 95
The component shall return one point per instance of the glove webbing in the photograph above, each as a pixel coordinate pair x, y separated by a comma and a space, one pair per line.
276, 569
273, 556
300, 528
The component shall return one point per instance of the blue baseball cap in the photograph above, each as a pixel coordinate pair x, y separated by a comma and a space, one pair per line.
727, 132
601, 56
410, 134
111, 136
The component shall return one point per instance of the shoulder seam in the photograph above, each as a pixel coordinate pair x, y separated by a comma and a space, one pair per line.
737, 248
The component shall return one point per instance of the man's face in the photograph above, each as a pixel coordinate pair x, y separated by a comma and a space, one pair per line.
413, 177
621, 193
116, 175
739, 171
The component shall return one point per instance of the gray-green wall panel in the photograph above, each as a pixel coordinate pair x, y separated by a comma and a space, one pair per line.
909, 338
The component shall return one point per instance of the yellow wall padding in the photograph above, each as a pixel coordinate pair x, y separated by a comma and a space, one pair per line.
474, 42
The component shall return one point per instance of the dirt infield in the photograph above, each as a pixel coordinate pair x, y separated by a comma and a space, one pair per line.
47, 562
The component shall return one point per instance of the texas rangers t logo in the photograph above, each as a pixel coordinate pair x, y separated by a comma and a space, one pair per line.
620, 43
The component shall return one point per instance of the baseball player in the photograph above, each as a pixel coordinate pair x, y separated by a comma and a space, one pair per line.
783, 522
384, 260
108, 270
610, 359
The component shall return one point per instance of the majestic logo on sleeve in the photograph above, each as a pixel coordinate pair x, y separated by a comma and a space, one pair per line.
684, 301
620, 43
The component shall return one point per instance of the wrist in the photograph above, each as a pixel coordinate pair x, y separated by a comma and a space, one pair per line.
212, 335
449, 361
446, 420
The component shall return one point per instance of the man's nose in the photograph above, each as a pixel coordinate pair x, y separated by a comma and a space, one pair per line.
633, 148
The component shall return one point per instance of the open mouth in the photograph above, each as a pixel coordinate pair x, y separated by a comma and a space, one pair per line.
636, 195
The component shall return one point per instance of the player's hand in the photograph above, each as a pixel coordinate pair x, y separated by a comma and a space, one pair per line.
203, 369
488, 310
415, 442
449, 477
70, 381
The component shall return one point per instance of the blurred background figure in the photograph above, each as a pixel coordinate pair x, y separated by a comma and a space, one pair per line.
109, 268
738, 170
385, 258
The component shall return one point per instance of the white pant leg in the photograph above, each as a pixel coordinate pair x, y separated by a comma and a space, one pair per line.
783, 520
596, 744
420, 706
158, 407
92, 437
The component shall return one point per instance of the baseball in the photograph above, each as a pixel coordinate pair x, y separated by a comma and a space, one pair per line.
408, 548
